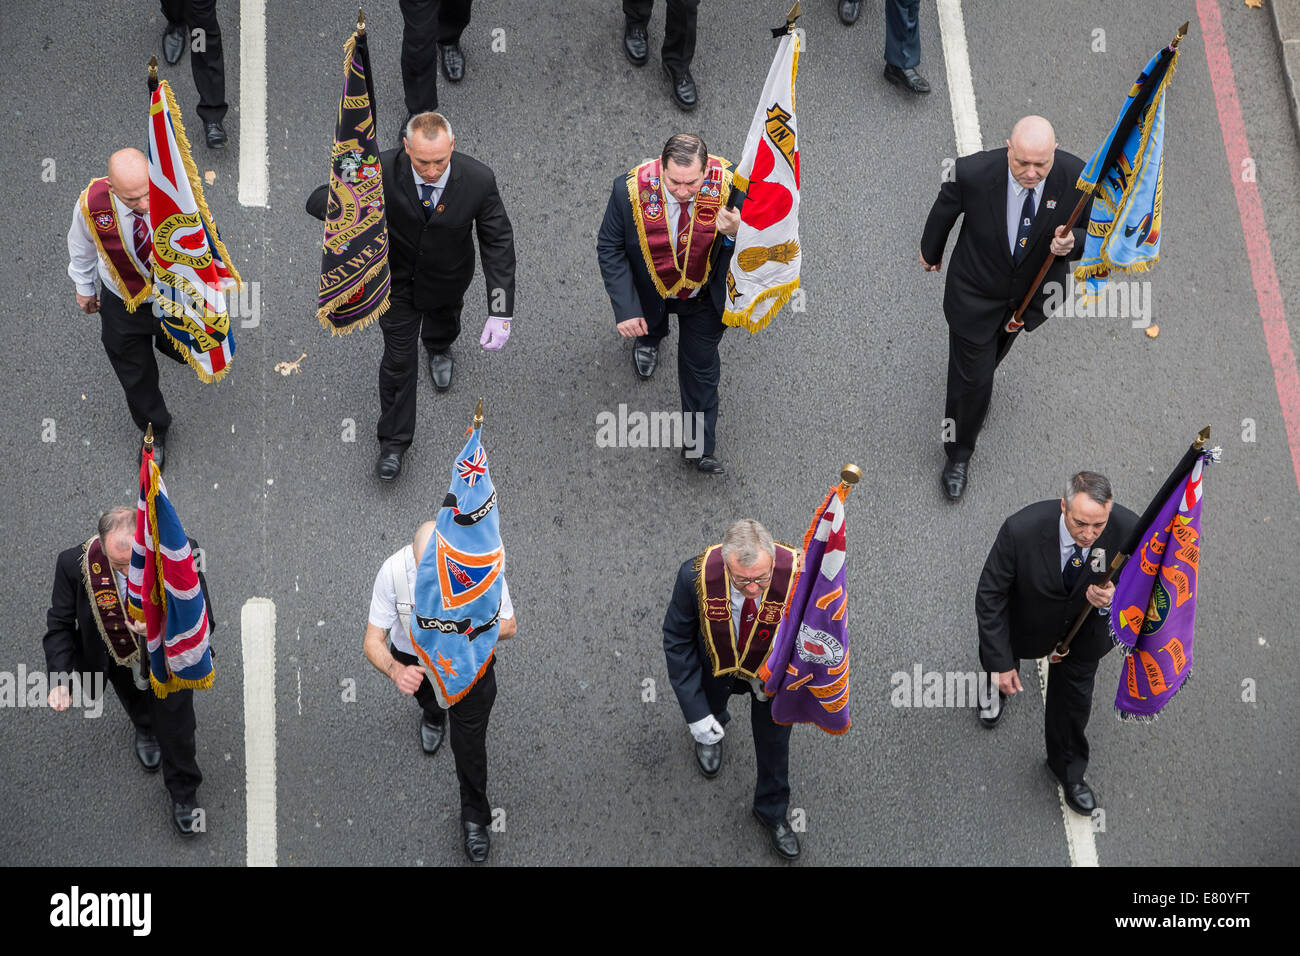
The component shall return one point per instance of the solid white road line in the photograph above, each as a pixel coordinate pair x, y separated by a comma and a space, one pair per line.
1079, 835
257, 626
961, 89
253, 178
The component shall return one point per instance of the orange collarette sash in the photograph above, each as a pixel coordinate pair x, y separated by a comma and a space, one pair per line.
713, 591
100, 212
673, 274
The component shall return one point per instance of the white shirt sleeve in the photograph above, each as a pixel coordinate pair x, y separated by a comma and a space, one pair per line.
383, 600
507, 605
83, 257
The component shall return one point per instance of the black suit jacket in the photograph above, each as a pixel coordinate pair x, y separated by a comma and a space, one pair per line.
689, 669
985, 286
432, 261
1021, 604
622, 266
72, 642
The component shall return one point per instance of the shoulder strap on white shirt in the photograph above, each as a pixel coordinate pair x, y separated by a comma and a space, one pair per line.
402, 587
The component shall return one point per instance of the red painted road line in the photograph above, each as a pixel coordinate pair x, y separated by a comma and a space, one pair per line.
1267, 291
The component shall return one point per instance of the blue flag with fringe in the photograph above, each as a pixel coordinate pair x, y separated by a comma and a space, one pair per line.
1127, 174
459, 581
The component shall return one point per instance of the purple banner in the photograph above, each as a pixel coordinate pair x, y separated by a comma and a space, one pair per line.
807, 673
1153, 612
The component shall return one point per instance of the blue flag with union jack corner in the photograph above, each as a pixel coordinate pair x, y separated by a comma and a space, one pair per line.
459, 581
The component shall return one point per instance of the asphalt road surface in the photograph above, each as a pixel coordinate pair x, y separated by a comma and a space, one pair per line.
583, 769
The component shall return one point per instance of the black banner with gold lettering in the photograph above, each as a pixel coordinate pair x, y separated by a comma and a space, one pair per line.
354, 278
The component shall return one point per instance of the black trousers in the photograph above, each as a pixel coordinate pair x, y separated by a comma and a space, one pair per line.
1069, 705
207, 65
970, 387
771, 746
129, 341
171, 720
468, 731
699, 366
399, 370
426, 23
679, 29
902, 35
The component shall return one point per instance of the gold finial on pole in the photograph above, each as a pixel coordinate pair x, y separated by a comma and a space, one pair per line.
795, 13
1201, 438
153, 67
148, 435
478, 414
1182, 32
361, 21
850, 475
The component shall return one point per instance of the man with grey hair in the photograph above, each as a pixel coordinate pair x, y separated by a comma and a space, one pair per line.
718, 630
1015, 202
1038, 578
88, 629
434, 203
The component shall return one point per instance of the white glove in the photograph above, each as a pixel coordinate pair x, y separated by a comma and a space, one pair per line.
757, 684
707, 730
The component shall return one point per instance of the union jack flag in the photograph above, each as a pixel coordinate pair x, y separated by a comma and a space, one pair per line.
191, 269
473, 468
164, 591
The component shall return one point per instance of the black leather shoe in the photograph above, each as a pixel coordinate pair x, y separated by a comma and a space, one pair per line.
709, 757
174, 43
989, 717
710, 465
645, 359
453, 61
440, 370
906, 76
783, 838
1080, 798
389, 465
476, 841
148, 750
215, 134
849, 10
431, 734
684, 92
183, 818
635, 45
953, 479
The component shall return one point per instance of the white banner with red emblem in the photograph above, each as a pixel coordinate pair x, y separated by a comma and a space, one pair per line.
191, 270
765, 269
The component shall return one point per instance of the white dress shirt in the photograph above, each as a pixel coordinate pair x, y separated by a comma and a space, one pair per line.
438, 185
84, 260
1015, 202
1067, 546
383, 600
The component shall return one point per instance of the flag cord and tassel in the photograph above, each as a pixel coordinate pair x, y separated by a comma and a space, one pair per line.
1129, 120
1122, 556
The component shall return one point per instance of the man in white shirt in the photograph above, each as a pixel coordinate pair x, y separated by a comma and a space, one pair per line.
110, 240
391, 604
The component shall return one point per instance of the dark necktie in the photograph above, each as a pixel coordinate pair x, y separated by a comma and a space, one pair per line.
140, 233
1073, 568
1026, 222
426, 197
683, 226
748, 612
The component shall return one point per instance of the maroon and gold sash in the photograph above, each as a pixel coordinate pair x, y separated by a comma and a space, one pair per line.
105, 605
97, 206
675, 274
713, 590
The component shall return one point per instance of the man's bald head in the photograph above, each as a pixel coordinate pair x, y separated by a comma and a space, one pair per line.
128, 179
422, 536
1031, 150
